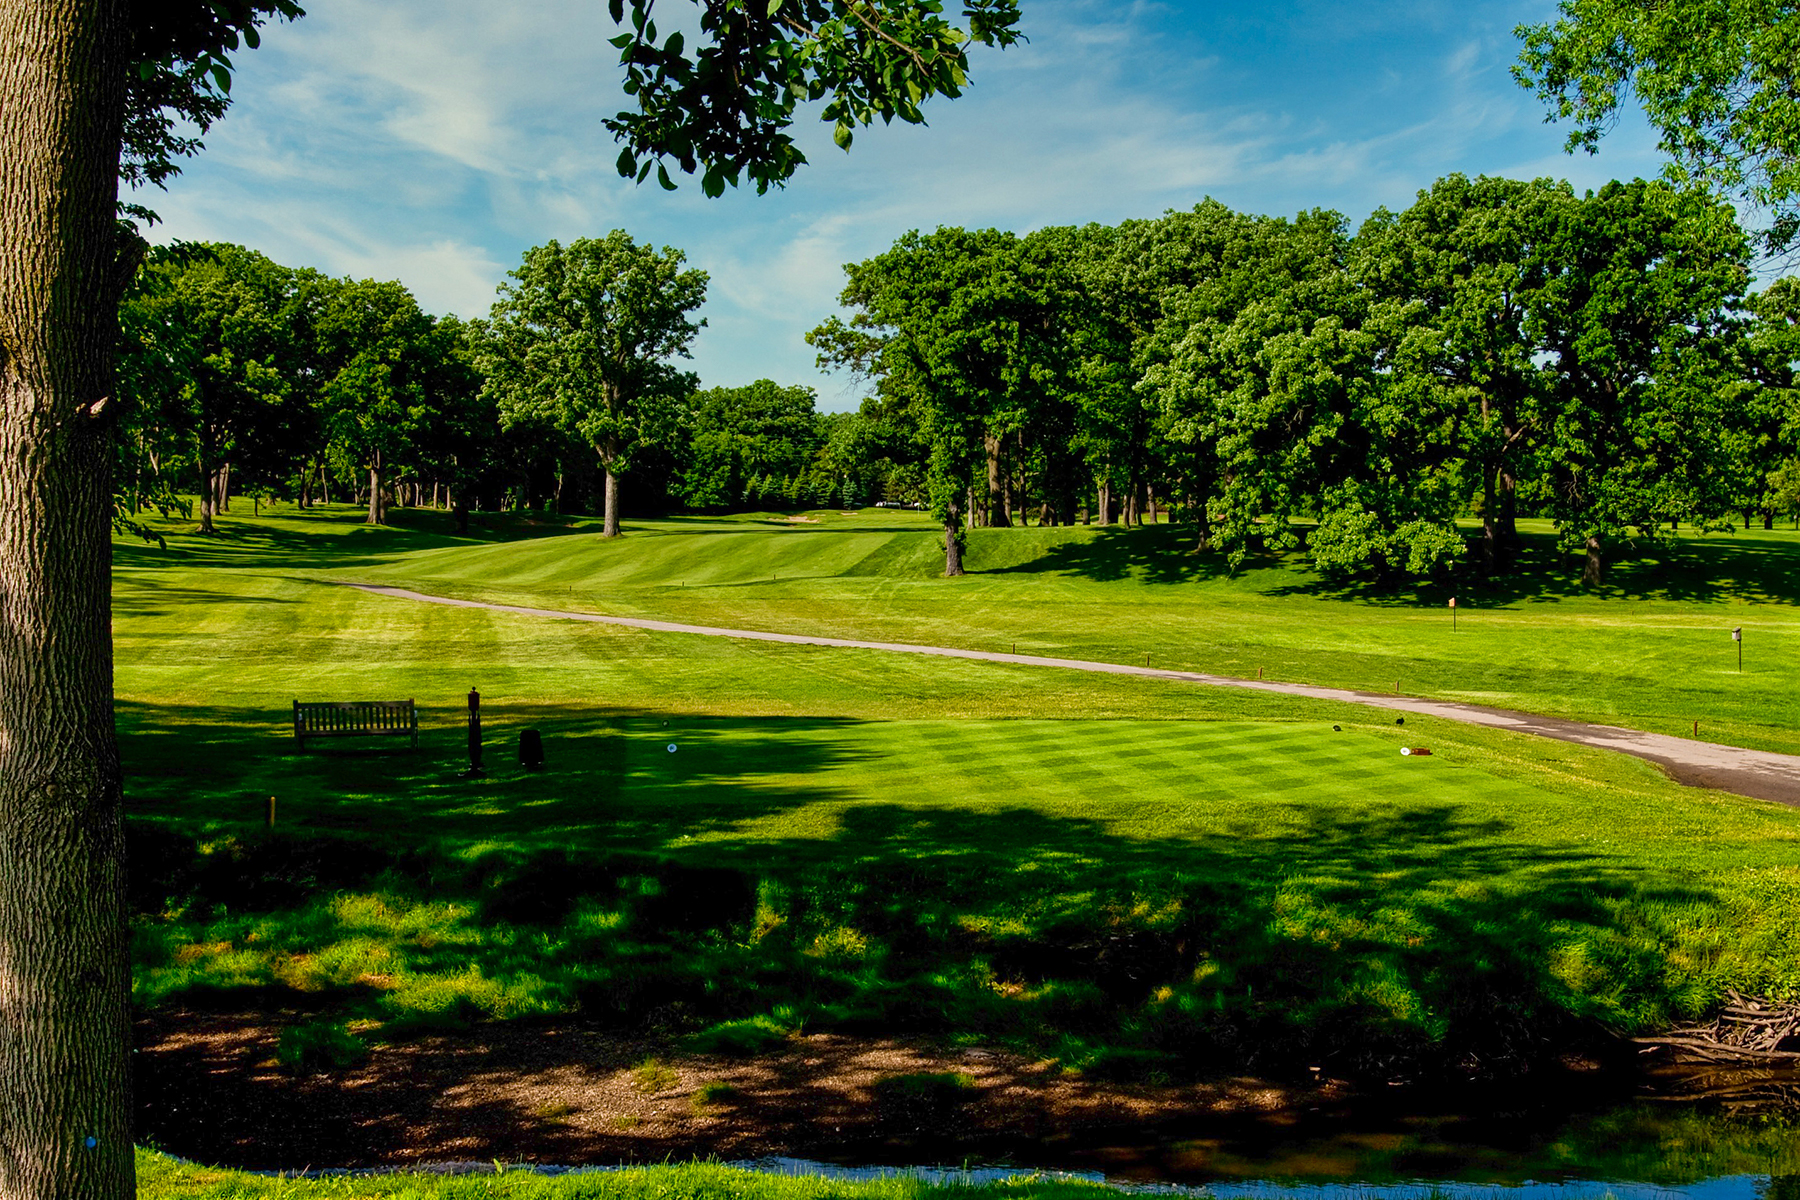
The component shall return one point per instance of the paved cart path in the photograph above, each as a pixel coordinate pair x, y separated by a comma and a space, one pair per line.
1756, 773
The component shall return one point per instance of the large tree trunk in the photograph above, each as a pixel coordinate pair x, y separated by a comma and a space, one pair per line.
223, 503
1590, 569
609, 526
1490, 529
1509, 511
65, 1103
377, 507
207, 457
953, 564
996, 483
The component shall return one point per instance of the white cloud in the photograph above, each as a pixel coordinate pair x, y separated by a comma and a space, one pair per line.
434, 141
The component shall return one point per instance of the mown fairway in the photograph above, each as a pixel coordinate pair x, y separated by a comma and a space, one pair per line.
1652, 650
1132, 876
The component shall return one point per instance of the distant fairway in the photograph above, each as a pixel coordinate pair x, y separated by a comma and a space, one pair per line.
1127, 875
1651, 651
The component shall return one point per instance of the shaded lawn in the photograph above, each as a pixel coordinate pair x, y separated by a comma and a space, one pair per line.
1128, 897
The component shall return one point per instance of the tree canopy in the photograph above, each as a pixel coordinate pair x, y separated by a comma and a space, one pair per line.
722, 107
1716, 78
582, 339
1499, 349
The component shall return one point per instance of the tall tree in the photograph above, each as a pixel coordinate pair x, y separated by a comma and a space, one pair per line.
77, 78
1258, 375
735, 434
953, 322
1641, 325
582, 338
1718, 79
65, 1113
1141, 284
377, 351
212, 357
1453, 280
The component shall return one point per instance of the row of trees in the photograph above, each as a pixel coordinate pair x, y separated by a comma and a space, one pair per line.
243, 377
1499, 348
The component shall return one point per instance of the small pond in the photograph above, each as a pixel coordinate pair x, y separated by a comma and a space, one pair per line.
1714, 1136
1720, 1136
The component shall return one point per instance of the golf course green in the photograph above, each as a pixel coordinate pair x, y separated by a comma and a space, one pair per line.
1136, 878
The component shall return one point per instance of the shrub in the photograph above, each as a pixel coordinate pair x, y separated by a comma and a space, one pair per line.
653, 1075
715, 1093
740, 1039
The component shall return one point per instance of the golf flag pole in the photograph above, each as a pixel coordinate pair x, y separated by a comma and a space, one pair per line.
1453, 614
1737, 635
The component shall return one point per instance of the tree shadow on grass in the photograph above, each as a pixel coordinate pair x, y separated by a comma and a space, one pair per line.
648, 891
335, 539
1752, 567
1152, 554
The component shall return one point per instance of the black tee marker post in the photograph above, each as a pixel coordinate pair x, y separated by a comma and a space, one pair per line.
474, 771
1737, 635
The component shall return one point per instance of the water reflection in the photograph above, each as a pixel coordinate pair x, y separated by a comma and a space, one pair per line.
1708, 1136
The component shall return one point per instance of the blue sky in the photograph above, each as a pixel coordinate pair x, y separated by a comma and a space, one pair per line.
432, 141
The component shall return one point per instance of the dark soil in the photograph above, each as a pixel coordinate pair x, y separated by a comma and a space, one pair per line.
209, 1088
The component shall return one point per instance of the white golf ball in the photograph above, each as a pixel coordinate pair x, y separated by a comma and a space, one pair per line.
1405, 750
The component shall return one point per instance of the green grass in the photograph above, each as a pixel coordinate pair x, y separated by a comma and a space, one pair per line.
1137, 878
1650, 650
164, 1178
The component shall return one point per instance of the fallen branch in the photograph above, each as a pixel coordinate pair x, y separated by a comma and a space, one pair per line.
1746, 1028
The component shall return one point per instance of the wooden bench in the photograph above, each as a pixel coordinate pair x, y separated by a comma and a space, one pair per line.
356, 718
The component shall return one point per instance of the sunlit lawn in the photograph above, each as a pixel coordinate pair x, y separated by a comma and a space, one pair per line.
1651, 650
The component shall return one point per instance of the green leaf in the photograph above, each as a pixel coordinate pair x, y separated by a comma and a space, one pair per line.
621, 40
627, 163
774, 7
842, 135
662, 177
222, 77
673, 46
617, 9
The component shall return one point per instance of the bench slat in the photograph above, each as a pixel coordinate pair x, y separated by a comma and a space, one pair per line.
355, 718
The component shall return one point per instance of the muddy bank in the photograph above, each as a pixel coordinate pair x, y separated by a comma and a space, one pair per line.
211, 1089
